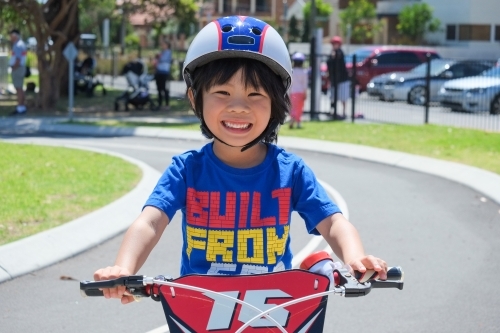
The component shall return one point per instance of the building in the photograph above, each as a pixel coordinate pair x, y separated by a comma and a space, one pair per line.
462, 21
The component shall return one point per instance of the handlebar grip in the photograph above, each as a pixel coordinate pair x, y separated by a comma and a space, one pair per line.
395, 274
91, 292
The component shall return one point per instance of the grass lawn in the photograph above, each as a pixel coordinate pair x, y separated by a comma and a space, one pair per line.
472, 147
43, 187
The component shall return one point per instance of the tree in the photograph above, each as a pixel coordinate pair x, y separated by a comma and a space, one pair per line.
415, 20
53, 23
293, 30
323, 11
360, 16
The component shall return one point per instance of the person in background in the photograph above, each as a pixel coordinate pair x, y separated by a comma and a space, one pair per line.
298, 90
18, 65
162, 73
339, 78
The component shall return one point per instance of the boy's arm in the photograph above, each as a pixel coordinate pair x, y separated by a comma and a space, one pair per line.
345, 242
140, 239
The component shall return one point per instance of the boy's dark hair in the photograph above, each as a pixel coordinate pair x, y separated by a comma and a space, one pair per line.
15, 31
255, 74
298, 63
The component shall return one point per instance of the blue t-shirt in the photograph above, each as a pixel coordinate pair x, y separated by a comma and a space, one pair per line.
237, 221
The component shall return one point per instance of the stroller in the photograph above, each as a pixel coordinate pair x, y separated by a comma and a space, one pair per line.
137, 93
84, 77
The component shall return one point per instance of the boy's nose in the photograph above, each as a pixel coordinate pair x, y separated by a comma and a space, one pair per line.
239, 104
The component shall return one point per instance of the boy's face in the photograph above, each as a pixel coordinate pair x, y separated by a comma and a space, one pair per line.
235, 114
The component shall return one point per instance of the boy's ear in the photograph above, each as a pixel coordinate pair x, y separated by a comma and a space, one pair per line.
191, 97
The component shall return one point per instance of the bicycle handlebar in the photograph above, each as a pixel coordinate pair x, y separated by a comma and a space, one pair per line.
344, 284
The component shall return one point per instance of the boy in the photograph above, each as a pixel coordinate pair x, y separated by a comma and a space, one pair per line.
237, 193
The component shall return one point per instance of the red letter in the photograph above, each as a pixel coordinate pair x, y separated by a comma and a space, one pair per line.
255, 220
195, 202
283, 195
222, 221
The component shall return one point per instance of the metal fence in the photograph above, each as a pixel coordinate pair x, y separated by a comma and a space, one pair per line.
439, 91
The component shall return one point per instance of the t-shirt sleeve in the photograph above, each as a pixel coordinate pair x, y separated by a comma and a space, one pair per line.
169, 194
310, 199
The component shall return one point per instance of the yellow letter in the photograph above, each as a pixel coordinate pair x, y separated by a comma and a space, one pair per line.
275, 245
256, 253
220, 242
195, 243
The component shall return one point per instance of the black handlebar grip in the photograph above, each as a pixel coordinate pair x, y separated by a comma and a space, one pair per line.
91, 292
395, 274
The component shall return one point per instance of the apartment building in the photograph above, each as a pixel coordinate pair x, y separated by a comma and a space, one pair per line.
462, 21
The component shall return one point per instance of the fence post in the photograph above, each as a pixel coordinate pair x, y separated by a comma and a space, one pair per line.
353, 88
312, 64
427, 87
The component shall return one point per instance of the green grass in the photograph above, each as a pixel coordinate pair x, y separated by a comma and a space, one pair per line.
43, 187
467, 146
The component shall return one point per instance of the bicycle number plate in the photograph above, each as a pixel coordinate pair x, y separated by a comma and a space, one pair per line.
193, 311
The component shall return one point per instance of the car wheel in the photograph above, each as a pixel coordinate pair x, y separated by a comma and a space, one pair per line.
495, 105
416, 96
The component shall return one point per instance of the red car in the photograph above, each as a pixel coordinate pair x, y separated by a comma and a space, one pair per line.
377, 60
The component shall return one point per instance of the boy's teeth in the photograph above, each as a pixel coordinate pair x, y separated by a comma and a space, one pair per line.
233, 125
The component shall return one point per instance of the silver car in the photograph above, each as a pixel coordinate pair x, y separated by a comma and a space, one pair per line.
478, 93
410, 86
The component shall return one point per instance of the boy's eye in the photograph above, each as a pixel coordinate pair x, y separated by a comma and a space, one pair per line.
222, 92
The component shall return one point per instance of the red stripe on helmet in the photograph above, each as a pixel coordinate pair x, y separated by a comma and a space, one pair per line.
263, 35
219, 31
242, 18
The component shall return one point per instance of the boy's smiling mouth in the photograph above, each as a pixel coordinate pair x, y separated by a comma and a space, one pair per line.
236, 125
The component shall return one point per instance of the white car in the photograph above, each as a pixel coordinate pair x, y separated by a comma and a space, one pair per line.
410, 86
477, 93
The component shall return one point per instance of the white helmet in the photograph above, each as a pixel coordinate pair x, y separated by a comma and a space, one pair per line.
239, 37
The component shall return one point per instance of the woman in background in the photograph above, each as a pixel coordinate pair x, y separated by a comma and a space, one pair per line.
298, 90
162, 73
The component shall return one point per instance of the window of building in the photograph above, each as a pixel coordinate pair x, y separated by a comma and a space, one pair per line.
497, 33
451, 32
243, 7
262, 6
474, 32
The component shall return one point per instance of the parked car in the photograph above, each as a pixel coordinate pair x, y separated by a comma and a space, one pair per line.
477, 93
324, 78
377, 60
410, 86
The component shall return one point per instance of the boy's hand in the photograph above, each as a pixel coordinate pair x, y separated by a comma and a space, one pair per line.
370, 262
113, 272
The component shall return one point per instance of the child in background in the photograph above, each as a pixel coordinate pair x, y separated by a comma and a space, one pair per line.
298, 90
237, 193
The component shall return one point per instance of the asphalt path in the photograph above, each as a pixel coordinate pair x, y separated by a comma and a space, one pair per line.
444, 235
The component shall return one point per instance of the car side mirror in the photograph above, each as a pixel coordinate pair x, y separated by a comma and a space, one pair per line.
448, 74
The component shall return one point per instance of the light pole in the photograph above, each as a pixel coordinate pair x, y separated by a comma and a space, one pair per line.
313, 60
285, 20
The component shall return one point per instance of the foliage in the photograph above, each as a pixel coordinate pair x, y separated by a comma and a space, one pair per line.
323, 11
360, 15
293, 30
132, 40
415, 20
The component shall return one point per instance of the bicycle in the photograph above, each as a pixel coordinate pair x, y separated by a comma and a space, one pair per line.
287, 301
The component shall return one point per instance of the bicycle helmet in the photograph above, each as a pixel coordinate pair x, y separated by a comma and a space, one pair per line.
298, 56
239, 37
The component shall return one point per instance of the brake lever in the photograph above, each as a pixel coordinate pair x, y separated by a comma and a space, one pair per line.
352, 287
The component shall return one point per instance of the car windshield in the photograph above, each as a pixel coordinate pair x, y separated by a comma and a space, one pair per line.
361, 55
437, 66
495, 72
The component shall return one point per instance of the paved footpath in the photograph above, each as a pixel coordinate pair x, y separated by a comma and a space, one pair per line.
46, 248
